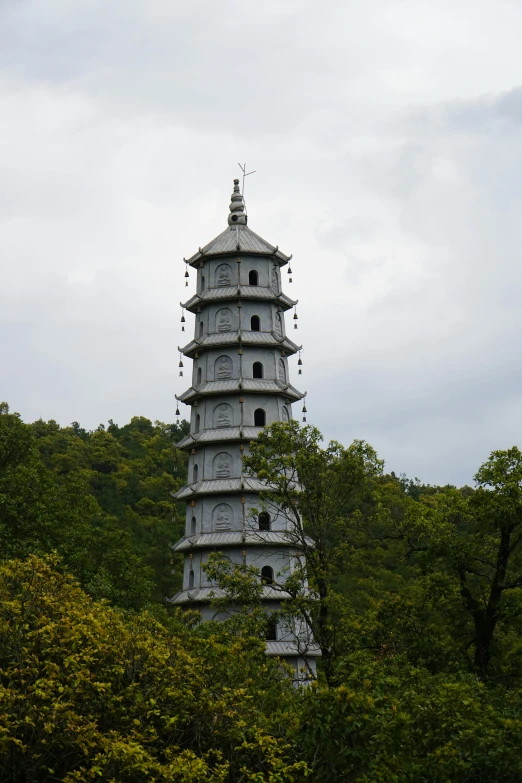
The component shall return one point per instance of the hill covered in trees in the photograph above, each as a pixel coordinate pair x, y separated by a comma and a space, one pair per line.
416, 605
101, 499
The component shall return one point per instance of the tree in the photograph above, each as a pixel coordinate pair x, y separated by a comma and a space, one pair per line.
90, 693
47, 504
489, 567
466, 545
131, 473
315, 489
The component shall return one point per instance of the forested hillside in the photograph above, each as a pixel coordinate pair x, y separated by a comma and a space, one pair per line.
101, 499
416, 605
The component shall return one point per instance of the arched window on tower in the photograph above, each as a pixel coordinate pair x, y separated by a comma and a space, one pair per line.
255, 324
253, 278
271, 629
195, 474
259, 417
199, 375
267, 575
191, 579
257, 370
264, 520
197, 424
193, 526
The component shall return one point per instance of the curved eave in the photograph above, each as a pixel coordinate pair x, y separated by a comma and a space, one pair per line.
234, 240
237, 538
292, 649
238, 338
229, 293
204, 595
219, 434
246, 385
219, 487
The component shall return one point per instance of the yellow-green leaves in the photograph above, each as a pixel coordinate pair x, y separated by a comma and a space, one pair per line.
93, 694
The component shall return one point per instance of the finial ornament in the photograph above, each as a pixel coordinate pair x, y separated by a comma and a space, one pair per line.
237, 215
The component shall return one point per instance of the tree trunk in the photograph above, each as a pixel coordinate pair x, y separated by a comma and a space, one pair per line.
323, 634
486, 620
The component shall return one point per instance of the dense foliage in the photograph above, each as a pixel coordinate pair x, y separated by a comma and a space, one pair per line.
101, 499
415, 600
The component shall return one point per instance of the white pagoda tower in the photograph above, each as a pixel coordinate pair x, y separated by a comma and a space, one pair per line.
240, 383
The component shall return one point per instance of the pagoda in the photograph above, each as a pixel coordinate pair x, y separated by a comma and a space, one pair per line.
240, 384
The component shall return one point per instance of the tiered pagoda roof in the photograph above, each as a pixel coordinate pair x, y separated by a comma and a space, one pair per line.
238, 239
260, 386
223, 339
238, 292
210, 540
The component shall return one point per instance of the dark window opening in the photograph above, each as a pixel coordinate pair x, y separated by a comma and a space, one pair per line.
199, 375
195, 474
193, 525
202, 282
253, 278
201, 328
255, 323
198, 422
267, 575
191, 579
257, 370
271, 629
259, 418
264, 520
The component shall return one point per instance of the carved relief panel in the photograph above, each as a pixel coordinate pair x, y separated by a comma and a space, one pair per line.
281, 371
222, 517
223, 275
274, 282
278, 325
223, 320
222, 466
223, 415
223, 368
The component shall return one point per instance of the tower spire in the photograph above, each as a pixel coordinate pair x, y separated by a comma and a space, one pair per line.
237, 215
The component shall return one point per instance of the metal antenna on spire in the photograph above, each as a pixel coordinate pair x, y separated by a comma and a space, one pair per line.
245, 174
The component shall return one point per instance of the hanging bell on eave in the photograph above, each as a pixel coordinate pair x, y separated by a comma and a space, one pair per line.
299, 364
182, 321
290, 273
295, 319
180, 365
304, 412
177, 410
186, 275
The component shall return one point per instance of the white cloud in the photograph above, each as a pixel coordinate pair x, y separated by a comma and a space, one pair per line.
385, 135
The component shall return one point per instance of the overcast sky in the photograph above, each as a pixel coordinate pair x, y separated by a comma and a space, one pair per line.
387, 142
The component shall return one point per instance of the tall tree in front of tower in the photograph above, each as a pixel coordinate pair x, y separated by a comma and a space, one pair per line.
315, 489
